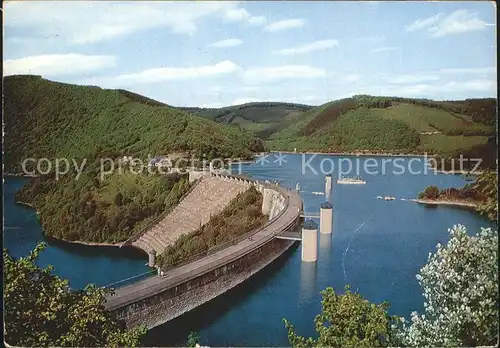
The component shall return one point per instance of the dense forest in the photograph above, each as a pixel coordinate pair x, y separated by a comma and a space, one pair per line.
140, 98
480, 110
51, 119
101, 211
467, 117
359, 129
253, 110
84, 124
242, 215
486, 153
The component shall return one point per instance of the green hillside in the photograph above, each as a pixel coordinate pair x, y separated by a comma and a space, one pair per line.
51, 119
108, 211
261, 118
390, 124
46, 119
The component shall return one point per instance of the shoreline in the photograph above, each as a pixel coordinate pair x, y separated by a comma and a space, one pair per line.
20, 175
29, 205
445, 202
456, 172
361, 154
241, 162
118, 245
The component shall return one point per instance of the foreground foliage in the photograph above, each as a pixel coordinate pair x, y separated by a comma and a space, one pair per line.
242, 215
193, 339
460, 287
347, 320
487, 185
41, 311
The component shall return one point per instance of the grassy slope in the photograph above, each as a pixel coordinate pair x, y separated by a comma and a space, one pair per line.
355, 130
424, 119
51, 119
321, 128
288, 137
446, 144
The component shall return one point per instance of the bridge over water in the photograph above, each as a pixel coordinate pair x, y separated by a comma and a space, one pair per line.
156, 300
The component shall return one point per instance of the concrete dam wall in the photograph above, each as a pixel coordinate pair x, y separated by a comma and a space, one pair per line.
157, 300
188, 295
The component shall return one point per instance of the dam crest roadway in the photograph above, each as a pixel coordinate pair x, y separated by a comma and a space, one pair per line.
156, 300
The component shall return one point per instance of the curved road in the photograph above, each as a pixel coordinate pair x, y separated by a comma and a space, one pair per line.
151, 286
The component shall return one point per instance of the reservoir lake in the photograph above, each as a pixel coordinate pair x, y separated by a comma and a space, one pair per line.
377, 247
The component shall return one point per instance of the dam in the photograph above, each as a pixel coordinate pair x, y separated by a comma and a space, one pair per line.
157, 300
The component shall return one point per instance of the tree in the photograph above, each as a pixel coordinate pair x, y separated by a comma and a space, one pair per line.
431, 192
460, 287
347, 320
193, 339
487, 185
40, 310
119, 199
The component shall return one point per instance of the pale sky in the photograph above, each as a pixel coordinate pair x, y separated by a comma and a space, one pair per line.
214, 54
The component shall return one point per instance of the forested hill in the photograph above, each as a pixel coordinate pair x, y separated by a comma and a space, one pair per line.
262, 118
46, 119
391, 124
51, 119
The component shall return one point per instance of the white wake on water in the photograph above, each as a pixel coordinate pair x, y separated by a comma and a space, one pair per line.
350, 240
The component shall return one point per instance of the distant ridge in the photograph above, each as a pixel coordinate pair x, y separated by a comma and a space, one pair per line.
262, 118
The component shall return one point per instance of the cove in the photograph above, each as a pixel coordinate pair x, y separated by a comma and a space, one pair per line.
79, 264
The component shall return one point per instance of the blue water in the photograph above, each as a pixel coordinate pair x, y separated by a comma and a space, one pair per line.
376, 247
80, 264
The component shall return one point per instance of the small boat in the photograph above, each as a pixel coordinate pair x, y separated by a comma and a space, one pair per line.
350, 181
318, 193
389, 198
380, 197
